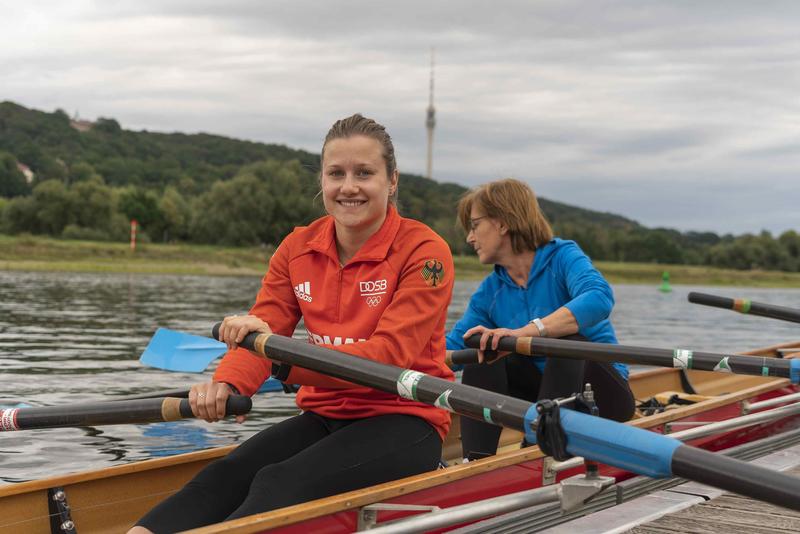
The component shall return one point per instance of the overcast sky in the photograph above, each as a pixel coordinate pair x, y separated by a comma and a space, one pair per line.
676, 114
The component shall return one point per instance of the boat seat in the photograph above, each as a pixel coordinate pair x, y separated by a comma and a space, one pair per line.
667, 400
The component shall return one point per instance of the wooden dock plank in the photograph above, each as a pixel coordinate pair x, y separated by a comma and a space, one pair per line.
729, 513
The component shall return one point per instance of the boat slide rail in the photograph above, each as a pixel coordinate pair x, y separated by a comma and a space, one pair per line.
571, 493
749, 407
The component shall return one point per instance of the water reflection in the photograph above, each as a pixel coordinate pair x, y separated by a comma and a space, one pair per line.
73, 337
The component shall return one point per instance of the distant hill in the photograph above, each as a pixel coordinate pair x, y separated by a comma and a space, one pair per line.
49, 144
171, 181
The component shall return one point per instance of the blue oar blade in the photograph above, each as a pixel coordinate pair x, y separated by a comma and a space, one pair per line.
178, 351
270, 386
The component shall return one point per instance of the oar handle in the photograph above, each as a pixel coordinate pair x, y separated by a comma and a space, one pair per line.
461, 357
234, 405
507, 343
676, 358
711, 300
110, 413
248, 340
468, 356
746, 306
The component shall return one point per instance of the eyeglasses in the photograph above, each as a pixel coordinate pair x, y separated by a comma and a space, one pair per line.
473, 223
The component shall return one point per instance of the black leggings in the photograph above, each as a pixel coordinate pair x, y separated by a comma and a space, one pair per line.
519, 377
299, 459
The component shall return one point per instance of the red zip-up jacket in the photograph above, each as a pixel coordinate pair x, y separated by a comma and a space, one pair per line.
388, 304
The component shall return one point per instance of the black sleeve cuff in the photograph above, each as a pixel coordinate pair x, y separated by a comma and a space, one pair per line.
280, 371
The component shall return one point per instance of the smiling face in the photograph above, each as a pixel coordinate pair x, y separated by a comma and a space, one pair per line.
488, 237
355, 184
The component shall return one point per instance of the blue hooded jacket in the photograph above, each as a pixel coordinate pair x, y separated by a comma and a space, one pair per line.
561, 275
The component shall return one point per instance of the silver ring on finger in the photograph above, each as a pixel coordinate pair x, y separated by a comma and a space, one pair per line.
201, 395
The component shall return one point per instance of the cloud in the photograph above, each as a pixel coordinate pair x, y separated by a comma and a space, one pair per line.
650, 109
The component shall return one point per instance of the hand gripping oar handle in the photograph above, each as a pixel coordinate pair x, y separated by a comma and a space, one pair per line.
606, 441
746, 306
677, 358
110, 413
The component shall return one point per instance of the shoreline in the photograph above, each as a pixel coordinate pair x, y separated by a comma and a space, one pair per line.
42, 254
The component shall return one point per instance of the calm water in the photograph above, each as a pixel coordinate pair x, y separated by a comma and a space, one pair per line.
68, 338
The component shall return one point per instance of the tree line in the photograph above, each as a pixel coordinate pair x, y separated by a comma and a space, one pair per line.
211, 189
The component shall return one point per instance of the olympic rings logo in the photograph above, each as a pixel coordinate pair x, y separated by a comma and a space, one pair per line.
373, 301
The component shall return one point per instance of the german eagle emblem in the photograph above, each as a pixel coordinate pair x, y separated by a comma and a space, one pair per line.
433, 272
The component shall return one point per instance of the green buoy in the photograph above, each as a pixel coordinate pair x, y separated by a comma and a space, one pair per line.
665, 287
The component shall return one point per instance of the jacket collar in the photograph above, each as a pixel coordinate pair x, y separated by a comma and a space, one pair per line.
375, 249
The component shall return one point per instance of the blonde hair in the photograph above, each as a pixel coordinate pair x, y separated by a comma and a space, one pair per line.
514, 204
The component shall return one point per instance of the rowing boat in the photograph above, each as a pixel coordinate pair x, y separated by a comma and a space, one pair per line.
111, 499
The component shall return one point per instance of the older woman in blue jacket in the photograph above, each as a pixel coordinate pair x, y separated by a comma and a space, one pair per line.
541, 286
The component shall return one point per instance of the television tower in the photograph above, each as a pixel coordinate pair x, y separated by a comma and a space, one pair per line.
430, 123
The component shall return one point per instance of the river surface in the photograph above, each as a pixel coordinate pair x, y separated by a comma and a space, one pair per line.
76, 337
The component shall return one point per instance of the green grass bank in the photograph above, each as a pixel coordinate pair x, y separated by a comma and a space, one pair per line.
34, 253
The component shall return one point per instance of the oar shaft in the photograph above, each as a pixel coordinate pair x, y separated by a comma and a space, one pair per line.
746, 306
472, 402
109, 413
613, 443
179, 393
678, 358
737, 477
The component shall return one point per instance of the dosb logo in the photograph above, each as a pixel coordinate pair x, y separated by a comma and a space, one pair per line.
372, 291
372, 287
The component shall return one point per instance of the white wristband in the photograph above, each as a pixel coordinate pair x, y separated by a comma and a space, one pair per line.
540, 326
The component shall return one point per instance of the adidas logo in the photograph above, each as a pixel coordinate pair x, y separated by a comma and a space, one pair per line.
303, 291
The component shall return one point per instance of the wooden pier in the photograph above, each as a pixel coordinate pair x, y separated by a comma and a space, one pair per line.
695, 508
727, 513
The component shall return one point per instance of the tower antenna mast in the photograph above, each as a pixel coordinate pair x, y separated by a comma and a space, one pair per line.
430, 122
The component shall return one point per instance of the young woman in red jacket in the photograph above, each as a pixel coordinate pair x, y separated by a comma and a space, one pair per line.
365, 281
